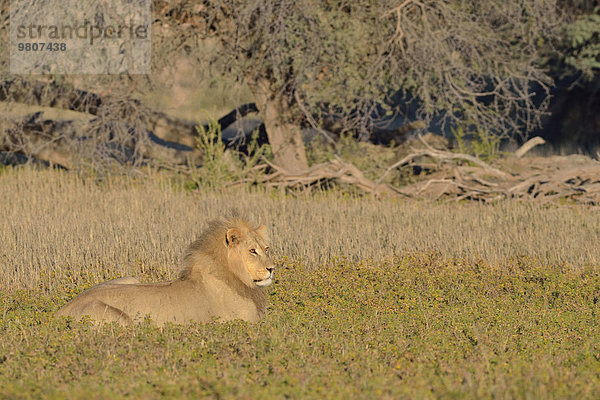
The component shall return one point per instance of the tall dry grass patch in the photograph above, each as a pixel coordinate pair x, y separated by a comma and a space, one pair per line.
59, 229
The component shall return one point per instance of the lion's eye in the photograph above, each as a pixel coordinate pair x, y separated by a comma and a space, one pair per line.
253, 252
266, 249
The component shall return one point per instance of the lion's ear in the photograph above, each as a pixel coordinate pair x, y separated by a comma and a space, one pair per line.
263, 232
233, 236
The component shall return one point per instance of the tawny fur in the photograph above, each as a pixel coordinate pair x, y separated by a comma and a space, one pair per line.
223, 276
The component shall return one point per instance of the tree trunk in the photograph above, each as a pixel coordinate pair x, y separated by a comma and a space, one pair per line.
285, 138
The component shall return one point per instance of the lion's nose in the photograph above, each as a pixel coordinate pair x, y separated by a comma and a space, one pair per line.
270, 270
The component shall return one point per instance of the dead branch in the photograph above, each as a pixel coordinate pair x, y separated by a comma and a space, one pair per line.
442, 156
447, 155
401, 162
334, 170
478, 181
530, 144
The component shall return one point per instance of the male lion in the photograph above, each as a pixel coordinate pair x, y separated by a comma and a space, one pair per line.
223, 276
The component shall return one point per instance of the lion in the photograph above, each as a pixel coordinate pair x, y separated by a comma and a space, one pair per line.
223, 277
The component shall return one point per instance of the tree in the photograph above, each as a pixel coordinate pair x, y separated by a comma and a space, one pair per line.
464, 61
467, 62
574, 63
581, 45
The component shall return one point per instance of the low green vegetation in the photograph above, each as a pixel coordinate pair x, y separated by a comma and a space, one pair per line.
477, 142
418, 326
222, 167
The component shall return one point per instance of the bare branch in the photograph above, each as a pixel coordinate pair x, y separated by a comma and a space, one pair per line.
530, 144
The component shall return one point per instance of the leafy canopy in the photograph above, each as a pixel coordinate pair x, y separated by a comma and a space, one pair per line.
459, 60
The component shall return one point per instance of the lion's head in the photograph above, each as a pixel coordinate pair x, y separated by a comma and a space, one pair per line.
247, 249
236, 245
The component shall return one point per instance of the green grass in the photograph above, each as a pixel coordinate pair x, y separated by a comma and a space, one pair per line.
418, 326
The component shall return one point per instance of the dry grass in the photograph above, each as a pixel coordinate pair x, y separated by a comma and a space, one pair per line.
56, 227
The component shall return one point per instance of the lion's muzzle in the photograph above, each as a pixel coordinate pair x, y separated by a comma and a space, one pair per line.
267, 281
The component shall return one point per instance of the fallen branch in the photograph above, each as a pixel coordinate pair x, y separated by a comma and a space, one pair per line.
530, 144
334, 169
580, 184
442, 156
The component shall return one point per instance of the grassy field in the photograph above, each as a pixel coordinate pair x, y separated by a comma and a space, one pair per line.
372, 299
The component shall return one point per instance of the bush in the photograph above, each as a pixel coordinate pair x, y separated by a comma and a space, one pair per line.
476, 141
222, 166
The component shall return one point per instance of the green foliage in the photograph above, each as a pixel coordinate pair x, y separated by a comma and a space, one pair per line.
477, 142
417, 326
210, 144
445, 55
582, 42
222, 166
